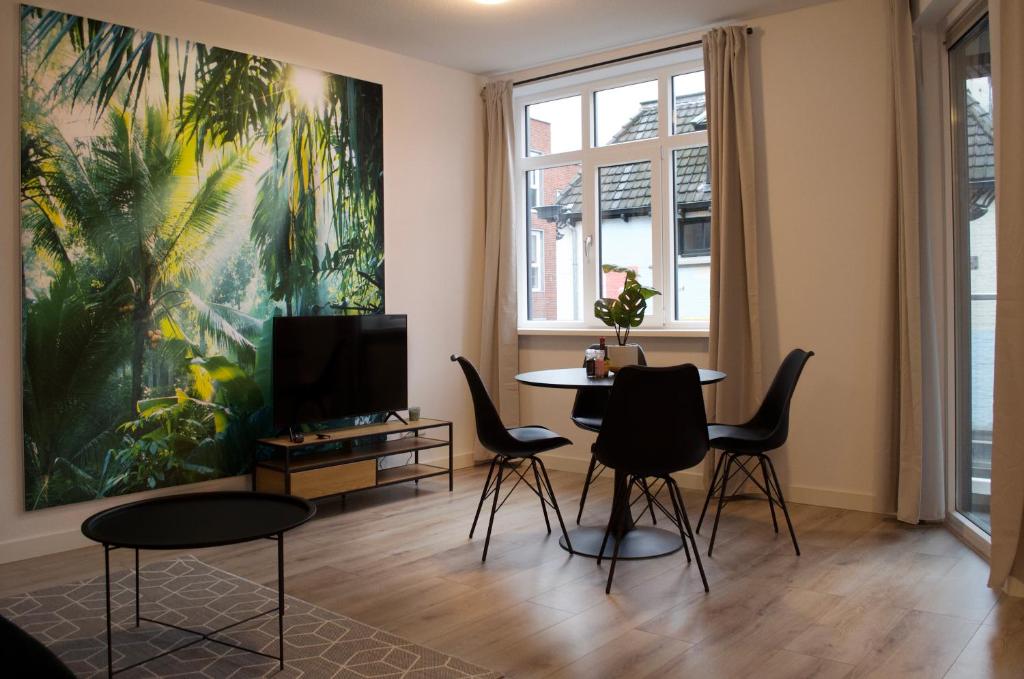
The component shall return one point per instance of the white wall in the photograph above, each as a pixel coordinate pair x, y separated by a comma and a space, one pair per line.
432, 120
825, 172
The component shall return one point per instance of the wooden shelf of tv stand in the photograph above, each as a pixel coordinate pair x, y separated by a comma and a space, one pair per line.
349, 465
350, 433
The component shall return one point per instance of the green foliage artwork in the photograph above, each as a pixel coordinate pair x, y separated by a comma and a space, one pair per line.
174, 198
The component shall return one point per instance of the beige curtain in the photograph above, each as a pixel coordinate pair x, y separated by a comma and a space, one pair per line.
735, 342
1006, 24
499, 344
908, 423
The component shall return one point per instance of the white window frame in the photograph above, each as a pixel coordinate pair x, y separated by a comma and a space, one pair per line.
657, 150
537, 236
956, 24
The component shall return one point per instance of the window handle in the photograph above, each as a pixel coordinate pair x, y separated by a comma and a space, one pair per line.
586, 246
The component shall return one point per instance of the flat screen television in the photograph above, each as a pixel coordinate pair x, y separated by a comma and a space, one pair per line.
333, 367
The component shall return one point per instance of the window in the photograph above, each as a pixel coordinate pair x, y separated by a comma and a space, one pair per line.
553, 246
534, 187
625, 228
614, 171
553, 126
690, 111
693, 236
692, 215
536, 259
626, 113
974, 256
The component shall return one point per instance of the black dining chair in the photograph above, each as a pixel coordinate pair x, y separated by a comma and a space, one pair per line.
515, 453
654, 426
751, 442
587, 413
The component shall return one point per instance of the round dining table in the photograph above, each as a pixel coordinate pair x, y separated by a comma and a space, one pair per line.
636, 542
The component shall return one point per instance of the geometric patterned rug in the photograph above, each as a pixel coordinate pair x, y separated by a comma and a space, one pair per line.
69, 619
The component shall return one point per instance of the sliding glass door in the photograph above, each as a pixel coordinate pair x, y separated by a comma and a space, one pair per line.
974, 231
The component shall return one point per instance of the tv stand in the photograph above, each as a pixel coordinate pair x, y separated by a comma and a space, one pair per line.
397, 416
347, 460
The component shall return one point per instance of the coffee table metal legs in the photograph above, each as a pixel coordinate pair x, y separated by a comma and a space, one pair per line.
280, 598
200, 636
110, 643
137, 588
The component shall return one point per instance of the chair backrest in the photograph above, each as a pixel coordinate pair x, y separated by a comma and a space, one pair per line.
593, 402
655, 423
489, 429
773, 415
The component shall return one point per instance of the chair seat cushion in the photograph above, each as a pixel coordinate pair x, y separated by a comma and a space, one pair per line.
588, 423
533, 440
739, 439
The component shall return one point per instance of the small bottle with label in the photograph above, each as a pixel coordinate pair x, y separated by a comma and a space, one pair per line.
603, 351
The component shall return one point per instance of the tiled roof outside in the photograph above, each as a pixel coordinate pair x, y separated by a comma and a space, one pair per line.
980, 152
981, 161
628, 187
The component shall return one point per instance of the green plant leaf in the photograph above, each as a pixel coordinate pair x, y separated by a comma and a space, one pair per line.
629, 308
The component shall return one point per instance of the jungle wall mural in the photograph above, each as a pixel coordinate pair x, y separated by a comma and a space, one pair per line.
174, 198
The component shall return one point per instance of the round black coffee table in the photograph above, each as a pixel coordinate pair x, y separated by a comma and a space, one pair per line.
194, 521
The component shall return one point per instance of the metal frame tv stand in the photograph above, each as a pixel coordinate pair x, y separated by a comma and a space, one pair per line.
347, 461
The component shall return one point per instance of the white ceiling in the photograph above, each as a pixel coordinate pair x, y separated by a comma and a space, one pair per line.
517, 34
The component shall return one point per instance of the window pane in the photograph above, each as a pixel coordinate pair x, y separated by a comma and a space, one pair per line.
688, 95
692, 217
975, 233
554, 248
625, 224
626, 113
553, 127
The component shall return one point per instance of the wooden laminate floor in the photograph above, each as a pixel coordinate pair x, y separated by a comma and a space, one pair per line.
870, 597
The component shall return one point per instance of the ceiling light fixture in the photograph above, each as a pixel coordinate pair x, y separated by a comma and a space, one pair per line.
490, 2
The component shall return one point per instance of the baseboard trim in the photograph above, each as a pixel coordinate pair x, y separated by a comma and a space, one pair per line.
809, 495
44, 544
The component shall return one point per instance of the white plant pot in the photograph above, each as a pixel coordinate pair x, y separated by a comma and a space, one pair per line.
621, 356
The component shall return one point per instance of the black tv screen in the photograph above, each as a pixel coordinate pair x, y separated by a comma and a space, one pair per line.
332, 367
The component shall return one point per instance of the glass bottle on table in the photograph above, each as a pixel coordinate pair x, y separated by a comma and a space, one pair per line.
590, 363
603, 352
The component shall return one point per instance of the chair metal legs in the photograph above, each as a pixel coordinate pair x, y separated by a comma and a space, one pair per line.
771, 505
711, 490
586, 487
782, 503
593, 472
483, 495
677, 502
677, 515
554, 501
541, 487
494, 505
543, 505
733, 464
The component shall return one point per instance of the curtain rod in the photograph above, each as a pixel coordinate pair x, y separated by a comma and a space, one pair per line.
609, 62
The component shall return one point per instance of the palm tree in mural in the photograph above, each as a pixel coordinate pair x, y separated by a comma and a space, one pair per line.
134, 200
324, 135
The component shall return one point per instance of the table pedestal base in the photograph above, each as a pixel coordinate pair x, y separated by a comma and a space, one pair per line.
641, 542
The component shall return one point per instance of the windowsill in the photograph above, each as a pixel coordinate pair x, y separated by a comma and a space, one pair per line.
608, 332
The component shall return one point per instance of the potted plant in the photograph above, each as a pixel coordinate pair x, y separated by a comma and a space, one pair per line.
624, 313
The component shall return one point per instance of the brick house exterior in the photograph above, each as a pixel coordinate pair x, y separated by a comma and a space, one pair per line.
544, 187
